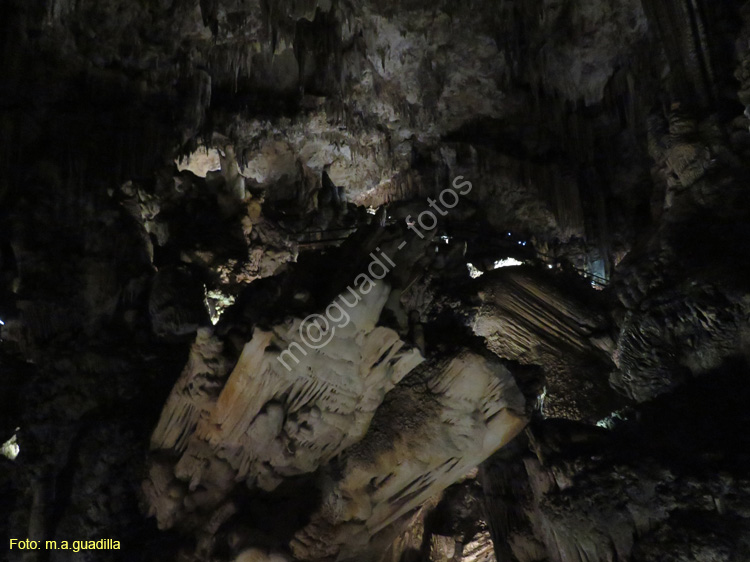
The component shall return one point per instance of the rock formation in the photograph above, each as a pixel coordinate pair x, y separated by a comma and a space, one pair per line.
324, 281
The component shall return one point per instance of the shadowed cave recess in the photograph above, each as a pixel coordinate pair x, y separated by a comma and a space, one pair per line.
375, 281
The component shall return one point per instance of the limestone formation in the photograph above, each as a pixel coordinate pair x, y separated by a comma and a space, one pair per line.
281, 412
431, 431
247, 315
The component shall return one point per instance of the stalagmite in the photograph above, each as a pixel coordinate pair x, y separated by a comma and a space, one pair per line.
446, 417
280, 413
247, 314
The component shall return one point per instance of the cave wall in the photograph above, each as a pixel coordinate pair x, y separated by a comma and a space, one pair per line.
183, 182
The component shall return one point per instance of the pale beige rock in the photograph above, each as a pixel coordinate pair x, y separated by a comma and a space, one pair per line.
200, 162
526, 316
479, 549
442, 549
268, 422
423, 439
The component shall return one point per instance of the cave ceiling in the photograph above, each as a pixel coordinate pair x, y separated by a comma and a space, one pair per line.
378, 281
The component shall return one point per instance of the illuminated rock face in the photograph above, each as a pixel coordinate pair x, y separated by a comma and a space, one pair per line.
265, 422
402, 430
164, 161
446, 417
525, 316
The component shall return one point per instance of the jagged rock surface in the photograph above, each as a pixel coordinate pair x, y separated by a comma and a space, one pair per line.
265, 422
181, 178
431, 430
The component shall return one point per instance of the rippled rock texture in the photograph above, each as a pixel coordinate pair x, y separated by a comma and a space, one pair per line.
537, 210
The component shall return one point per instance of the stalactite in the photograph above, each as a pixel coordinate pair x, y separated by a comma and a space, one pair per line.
683, 32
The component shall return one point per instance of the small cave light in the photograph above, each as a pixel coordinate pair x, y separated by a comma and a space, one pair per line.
540, 401
612, 420
508, 262
10, 448
216, 303
473, 271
